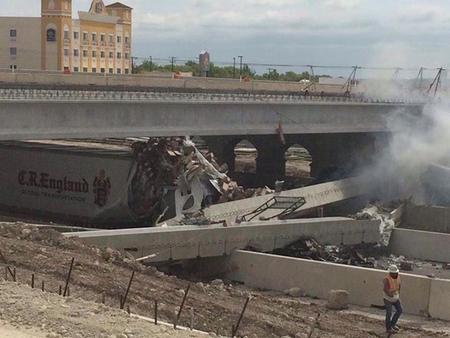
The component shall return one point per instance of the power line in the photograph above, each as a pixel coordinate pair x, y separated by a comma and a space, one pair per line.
306, 66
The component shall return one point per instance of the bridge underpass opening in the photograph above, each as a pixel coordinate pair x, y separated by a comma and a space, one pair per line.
245, 155
298, 167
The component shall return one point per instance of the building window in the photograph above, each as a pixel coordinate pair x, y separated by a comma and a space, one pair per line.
84, 69
66, 35
76, 52
111, 70
111, 55
12, 33
94, 37
76, 35
85, 36
126, 39
85, 53
102, 70
119, 55
102, 54
119, 39
94, 70
126, 56
127, 71
119, 71
66, 52
12, 67
51, 35
13, 51
94, 54
75, 69
102, 37
111, 38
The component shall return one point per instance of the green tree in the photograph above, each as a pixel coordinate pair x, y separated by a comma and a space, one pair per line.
227, 71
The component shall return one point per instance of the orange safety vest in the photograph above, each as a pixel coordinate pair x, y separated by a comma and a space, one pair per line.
394, 284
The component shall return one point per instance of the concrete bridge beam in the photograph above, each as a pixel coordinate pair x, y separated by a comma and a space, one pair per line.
72, 114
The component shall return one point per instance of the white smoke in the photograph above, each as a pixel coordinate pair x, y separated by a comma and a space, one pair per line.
417, 141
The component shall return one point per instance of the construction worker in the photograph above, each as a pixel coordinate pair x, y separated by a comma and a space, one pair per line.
392, 286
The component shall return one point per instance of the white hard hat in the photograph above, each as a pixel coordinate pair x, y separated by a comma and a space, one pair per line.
393, 269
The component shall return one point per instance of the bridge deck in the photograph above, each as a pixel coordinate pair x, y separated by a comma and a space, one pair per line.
44, 114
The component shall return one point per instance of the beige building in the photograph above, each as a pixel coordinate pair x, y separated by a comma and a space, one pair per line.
99, 41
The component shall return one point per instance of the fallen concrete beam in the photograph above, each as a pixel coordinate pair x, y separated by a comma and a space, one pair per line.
420, 295
315, 196
424, 245
189, 242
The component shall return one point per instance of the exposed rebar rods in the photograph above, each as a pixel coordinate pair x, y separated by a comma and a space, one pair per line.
68, 277
181, 306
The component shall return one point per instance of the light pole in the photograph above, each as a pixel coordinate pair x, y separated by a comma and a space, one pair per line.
240, 65
172, 61
234, 67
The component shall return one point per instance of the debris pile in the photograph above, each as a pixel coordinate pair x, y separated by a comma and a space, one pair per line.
164, 164
158, 163
309, 248
363, 255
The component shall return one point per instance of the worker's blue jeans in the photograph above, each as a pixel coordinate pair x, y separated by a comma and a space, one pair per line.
391, 321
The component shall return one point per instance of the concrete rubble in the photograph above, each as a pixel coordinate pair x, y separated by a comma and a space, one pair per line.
388, 220
309, 248
176, 165
368, 255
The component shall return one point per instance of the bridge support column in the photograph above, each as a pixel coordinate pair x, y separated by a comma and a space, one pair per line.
223, 149
337, 155
271, 161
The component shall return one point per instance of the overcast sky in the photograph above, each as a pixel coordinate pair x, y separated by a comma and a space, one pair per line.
405, 33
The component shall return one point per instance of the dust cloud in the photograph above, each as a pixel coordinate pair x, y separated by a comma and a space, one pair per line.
418, 142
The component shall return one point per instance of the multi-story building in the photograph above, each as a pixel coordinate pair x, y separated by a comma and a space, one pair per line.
99, 41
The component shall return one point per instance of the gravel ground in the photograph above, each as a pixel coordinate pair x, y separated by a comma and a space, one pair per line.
27, 312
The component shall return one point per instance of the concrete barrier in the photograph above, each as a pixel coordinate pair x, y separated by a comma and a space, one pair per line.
431, 246
439, 305
420, 295
435, 219
187, 242
161, 81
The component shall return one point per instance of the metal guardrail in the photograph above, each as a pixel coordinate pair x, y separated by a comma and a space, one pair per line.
46, 95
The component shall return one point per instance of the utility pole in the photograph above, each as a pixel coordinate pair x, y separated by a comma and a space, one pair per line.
172, 61
240, 65
234, 67
151, 63
419, 79
436, 82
